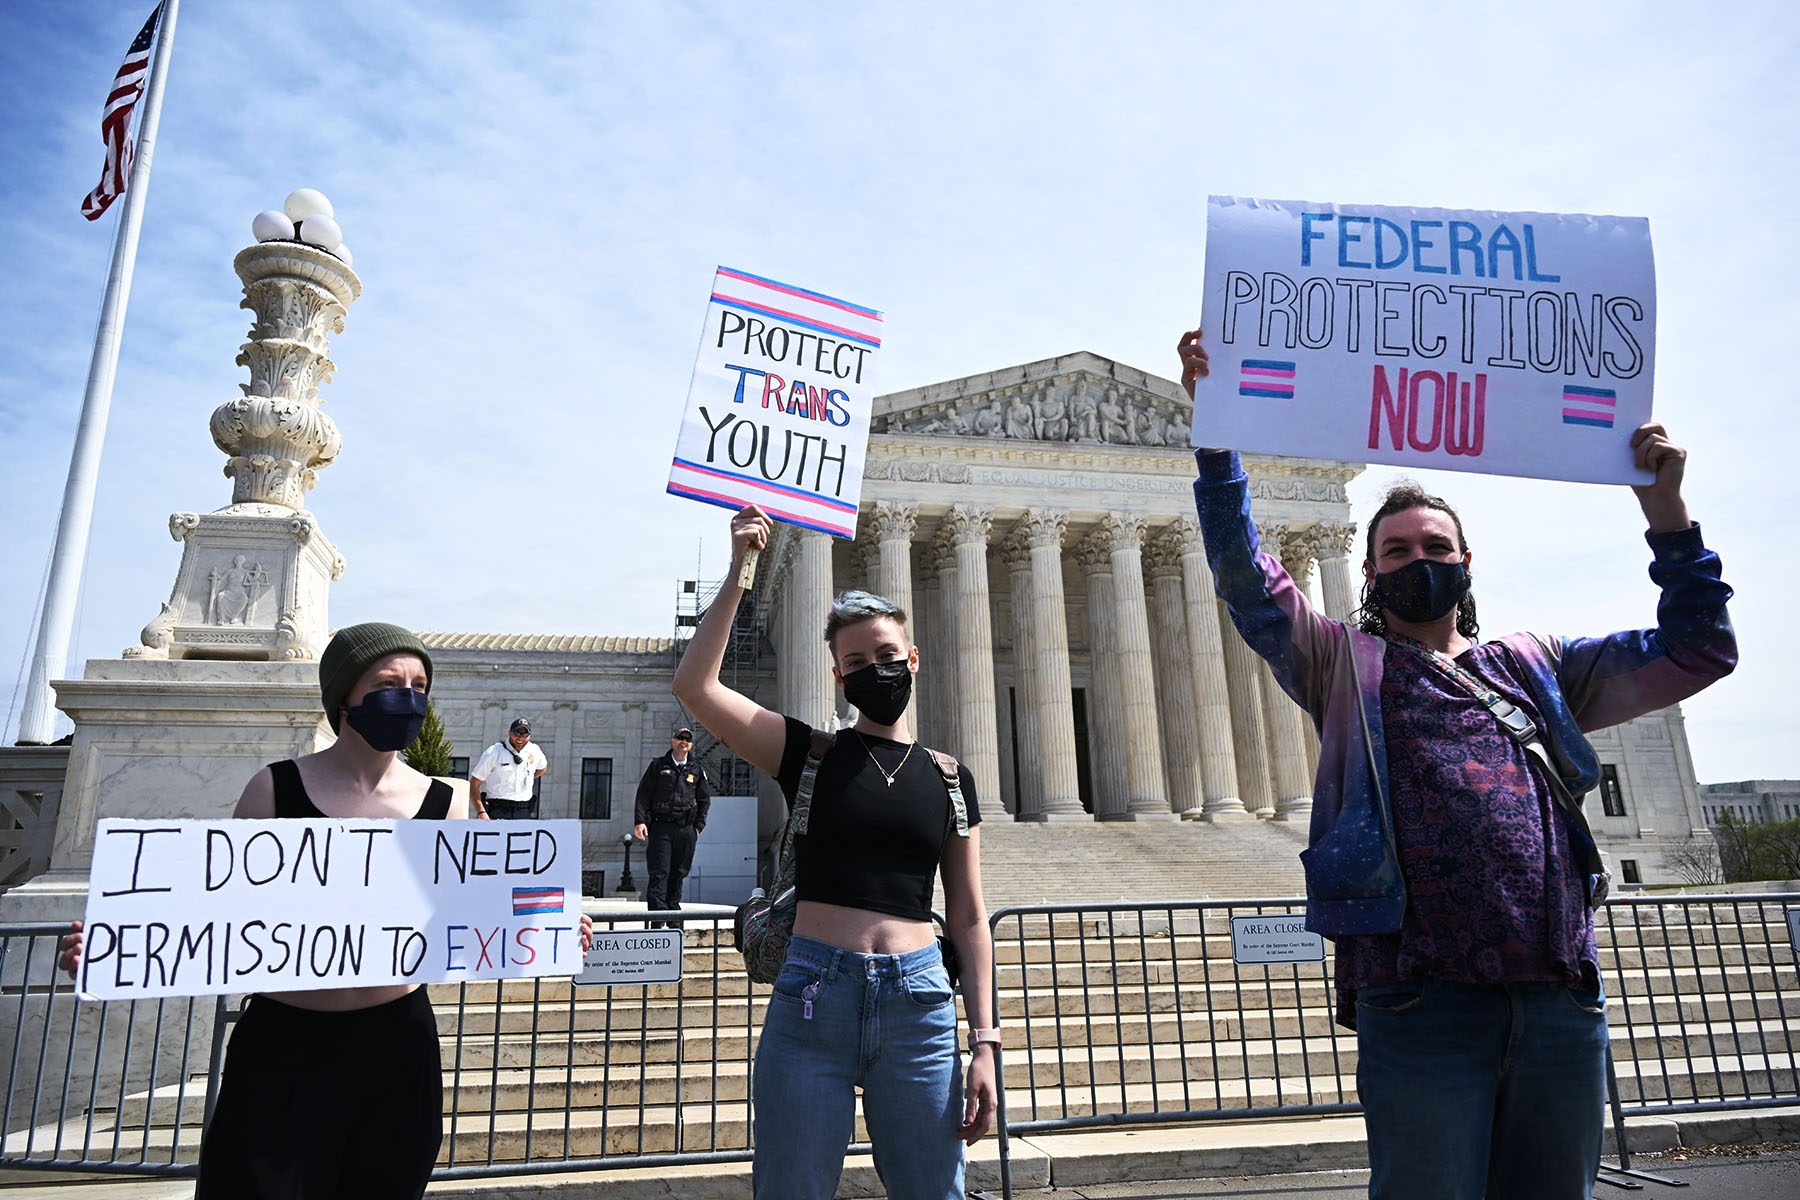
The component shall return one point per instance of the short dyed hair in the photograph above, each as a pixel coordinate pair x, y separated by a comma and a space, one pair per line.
855, 607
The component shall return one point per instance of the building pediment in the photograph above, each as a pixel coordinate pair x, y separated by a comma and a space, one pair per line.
1079, 398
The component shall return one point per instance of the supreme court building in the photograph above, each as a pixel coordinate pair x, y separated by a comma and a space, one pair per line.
1038, 524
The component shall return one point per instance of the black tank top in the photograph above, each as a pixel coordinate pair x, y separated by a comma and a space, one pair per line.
291, 799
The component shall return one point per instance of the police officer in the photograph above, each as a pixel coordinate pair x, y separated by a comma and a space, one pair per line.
500, 785
672, 799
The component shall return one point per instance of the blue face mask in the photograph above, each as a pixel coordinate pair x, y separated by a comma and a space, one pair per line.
1423, 590
389, 718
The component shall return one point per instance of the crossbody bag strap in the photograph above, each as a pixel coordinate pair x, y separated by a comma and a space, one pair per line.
1523, 730
816, 750
952, 773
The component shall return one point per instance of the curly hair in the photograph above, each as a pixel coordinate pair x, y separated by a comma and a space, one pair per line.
1404, 495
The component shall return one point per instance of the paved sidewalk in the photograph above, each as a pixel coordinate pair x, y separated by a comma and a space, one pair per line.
1733, 1173
1295, 1159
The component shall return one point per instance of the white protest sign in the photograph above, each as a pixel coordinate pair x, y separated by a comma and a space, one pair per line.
778, 411
198, 908
1274, 939
1506, 343
633, 956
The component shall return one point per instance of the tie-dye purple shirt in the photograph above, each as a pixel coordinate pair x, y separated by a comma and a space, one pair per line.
1493, 890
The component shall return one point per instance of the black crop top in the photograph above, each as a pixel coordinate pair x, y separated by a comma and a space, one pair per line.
869, 845
291, 799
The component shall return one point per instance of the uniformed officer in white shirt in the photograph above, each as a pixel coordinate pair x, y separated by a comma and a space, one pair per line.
505, 773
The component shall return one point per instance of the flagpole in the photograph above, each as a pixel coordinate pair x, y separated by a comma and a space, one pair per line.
38, 721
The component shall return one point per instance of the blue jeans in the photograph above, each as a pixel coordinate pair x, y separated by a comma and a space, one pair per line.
838, 1021
1473, 1090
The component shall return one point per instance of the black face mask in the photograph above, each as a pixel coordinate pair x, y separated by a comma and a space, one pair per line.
389, 718
880, 690
1423, 590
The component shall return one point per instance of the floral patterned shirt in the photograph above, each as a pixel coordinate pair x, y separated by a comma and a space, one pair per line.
1493, 893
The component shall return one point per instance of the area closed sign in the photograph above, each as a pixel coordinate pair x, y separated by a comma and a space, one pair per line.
1274, 939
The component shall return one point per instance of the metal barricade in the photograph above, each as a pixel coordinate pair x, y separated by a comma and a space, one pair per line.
1138, 1013
1703, 998
113, 1087
1125, 1013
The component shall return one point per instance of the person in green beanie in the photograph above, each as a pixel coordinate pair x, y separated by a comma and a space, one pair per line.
339, 1092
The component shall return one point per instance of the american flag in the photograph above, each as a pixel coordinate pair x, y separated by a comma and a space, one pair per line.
115, 121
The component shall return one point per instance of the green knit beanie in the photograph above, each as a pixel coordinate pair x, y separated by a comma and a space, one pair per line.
355, 650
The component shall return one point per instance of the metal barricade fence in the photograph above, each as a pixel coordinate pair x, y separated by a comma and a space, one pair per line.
1139, 1013
1703, 999
1114, 1014
539, 1074
100, 1087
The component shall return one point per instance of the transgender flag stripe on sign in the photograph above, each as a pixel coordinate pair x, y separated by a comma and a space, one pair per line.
1267, 378
1588, 406
531, 901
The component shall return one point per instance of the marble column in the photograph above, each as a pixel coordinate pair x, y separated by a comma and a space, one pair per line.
1146, 790
1244, 673
945, 718
1028, 784
1174, 676
1053, 712
778, 562
815, 695
1335, 544
1106, 699
1287, 720
974, 629
1212, 694
893, 526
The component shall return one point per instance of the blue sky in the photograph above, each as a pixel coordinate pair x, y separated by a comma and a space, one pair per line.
537, 195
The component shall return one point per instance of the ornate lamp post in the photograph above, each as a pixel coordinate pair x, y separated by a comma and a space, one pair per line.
626, 883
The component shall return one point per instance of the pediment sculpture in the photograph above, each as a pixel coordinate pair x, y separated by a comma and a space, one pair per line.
1068, 408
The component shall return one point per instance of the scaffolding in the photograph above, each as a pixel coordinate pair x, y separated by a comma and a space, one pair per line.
742, 672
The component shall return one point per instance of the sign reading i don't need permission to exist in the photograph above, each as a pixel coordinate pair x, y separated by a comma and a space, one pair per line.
778, 411
195, 908
1506, 343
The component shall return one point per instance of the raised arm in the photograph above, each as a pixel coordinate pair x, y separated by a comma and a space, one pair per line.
754, 734
1609, 680
1270, 613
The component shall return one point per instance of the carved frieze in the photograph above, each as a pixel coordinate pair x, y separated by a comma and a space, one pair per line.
1078, 407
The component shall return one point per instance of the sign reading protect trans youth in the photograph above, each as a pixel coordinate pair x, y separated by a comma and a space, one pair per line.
197, 908
1506, 343
778, 412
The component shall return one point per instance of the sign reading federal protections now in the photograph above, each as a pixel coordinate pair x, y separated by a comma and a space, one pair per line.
199, 908
1509, 343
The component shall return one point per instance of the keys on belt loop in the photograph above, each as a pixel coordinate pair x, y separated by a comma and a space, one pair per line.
807, 995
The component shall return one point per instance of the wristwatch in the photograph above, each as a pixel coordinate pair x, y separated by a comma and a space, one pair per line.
979, 1036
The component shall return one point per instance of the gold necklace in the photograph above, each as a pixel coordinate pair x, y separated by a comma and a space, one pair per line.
884, 771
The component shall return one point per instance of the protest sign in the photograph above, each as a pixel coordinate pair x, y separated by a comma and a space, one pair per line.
199, 908
778, 411
1506, 343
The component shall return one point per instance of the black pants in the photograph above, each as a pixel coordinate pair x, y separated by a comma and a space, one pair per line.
510, 810
327, 1105
668, 855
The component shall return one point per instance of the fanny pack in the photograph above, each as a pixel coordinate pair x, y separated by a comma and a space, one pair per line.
764, 925
1520, 727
